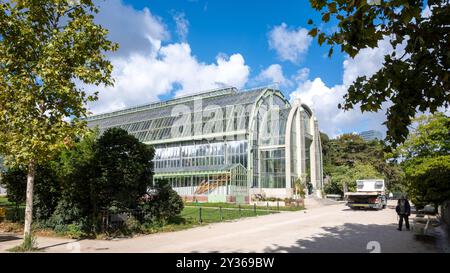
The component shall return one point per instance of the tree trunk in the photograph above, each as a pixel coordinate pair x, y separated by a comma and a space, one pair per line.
29, 200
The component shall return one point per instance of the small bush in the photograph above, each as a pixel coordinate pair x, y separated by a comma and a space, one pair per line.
163, 204
75, 231
132, 225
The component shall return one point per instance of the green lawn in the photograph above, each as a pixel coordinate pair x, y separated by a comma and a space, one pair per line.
190, 216
243, 206
4, 202
215, 214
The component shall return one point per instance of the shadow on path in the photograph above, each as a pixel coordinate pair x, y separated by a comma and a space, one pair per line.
358, 238
7, 238
60, 244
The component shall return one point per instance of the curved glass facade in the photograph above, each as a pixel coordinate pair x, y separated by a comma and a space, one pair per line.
225, 145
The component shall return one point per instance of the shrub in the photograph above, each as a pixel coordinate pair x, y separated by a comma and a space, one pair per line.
123, 169
75, 231
132, 225
163, 203
15, 214
68, 213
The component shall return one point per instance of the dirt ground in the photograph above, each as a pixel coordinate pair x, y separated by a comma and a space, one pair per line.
331, 228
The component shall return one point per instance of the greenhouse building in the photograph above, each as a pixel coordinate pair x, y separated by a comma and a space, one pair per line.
227, 145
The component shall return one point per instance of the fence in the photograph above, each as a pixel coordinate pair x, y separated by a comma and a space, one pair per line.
12, 214
204, 214
124, 219
121, 220
118, 220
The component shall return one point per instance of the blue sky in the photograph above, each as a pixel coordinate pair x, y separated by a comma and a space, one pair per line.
174, 47
233, 26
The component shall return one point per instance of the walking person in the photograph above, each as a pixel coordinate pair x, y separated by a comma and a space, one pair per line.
403, 210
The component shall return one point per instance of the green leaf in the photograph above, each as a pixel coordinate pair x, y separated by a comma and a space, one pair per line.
332, 7
321, 38
330, 52
313, 32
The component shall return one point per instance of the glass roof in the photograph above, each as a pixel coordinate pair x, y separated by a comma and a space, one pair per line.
153, 122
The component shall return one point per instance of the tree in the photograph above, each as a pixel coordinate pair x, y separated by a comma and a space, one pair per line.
425, 158
349, 150
46, 49
95, 174
429, 137
46, 192
112, 171
348, 176
415, 76
123, 169
427, 180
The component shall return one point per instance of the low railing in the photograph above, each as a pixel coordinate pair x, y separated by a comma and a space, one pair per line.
204, 214
12, 214
117, 220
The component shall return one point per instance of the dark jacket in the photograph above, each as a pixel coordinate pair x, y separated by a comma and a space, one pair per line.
407, 208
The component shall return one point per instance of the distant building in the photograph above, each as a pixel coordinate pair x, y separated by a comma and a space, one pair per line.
371, 135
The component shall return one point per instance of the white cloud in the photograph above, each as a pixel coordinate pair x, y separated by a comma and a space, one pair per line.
146, 68
333, 121
324, 100
302, 75
367, 62
182, 25
142, 78
273, 75
290, 44
136, 31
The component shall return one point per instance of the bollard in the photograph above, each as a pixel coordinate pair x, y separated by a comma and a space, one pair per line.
239, 210
221, 215
278, 205
254, 208
200, 214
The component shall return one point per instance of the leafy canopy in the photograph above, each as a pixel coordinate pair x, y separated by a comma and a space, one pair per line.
95, 174
428, 137
47, 48
425, 158
349, 158
415, 76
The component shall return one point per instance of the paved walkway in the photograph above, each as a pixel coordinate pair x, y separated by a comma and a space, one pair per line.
332, 228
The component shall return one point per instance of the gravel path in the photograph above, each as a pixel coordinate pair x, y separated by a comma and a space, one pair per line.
332, 228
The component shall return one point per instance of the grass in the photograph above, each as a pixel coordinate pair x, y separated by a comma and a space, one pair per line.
215, 214
243, 206
4, 202
190, 216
